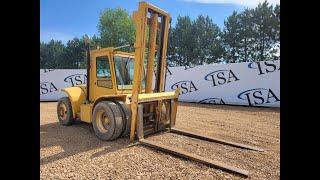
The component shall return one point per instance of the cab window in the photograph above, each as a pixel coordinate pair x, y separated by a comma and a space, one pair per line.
103, 72
124, 67
103, 67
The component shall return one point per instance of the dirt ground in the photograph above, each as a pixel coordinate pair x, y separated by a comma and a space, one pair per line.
74, 152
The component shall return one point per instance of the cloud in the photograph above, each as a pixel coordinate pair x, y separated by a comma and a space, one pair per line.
247, 3
46, 36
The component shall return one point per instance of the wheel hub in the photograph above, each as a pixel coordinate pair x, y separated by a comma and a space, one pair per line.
63, 111
103, 122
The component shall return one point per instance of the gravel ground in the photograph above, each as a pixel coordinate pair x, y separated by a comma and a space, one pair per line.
74, 152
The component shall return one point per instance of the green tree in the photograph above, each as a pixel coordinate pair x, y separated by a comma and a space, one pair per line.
74, 55
276, 51
207, 46
43, 55
194, 42
253, 35
51, 54
265, 26
181, 42
116, 28
277, 21
246, 36
231, 40
172, 56
95, 42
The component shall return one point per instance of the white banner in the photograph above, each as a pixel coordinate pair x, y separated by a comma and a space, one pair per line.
249, 84
52, 80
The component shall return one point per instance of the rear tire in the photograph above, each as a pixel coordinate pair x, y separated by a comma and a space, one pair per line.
107, 120
64, 111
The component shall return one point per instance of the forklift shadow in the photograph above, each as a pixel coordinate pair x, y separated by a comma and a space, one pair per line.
73, 140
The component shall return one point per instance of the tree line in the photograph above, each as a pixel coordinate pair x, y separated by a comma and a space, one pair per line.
252, 35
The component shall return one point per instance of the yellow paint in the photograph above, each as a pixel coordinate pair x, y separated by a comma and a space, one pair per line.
152, 51
123, 54
77, 97
86, 112
156, 96
120, 97
139, 17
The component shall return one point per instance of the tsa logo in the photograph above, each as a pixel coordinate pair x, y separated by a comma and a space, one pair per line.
221, 77
47, 87
258, 96
212, 101
185, 87
76, 79
264, 67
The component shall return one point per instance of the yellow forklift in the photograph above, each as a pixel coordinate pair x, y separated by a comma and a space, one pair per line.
120, 98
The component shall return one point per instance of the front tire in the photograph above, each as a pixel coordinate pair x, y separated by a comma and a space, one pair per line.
126, 117
64, 111
107, 120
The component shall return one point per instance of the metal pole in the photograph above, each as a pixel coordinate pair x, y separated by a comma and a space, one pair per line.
88, 71
166, 68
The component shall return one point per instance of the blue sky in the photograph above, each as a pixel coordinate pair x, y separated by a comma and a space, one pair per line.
66, 19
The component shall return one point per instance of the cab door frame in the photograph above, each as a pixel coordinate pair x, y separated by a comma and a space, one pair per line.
97, 90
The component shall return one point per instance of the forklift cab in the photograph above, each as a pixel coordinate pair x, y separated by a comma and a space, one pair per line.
111, 73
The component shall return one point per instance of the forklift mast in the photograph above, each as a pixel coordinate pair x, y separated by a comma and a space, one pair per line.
152, 27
